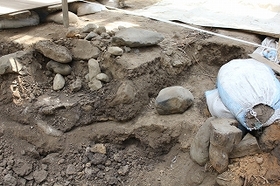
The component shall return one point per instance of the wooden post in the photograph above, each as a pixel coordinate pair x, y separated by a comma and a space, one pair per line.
65, 13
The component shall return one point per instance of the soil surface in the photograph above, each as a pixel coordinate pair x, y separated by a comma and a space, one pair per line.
104, 143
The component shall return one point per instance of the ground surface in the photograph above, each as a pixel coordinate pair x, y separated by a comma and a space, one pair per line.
142, 147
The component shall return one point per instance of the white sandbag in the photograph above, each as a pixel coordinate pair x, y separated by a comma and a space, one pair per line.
245, 83
215, 105
32, 20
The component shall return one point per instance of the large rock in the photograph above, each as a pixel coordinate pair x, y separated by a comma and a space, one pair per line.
59, 68
199, 150
84, 50
11, 63
136, 37
173, 100
53, 51
248, 146
58, 18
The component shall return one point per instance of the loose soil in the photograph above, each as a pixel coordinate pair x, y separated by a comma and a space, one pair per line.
142, 147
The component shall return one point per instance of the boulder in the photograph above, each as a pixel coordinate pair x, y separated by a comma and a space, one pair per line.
84, 50
58, 82
59, 68
136, 37
173, 100
53, 51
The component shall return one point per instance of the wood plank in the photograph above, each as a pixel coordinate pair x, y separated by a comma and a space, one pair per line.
275, 67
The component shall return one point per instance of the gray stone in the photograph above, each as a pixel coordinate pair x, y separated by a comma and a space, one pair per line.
103, 77
123, 170
125, 94
89, 28
53, 51
248, 146
58, 82
98, 158
76, 85
218, 158
22, 168
71, 169
90, 8
173, 100
11, 63
40, 175
225, 134
59, 68
9, 180
199, 150
94, 84
90, 36
50, 158
116, 51
136, 37
93, 69
100, 30
84, 50
58, 17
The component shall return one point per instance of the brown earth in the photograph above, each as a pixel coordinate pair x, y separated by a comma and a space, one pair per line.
142, 147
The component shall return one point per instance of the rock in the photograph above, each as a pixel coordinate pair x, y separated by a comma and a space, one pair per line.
173, 100
100, 30
103, 77
98, 158
90, 36
270, 137
84, 50
31, 20
11, 63
50, 158
53, 51
225, 134
116, 51
89, 28
125, 94
227, 179
123, 170
59, 68
76, 85
93, 69
199, 150
136, 37
73, 32
9, 180
40, 175
58, 17
98, 148
22, 168
58, 82
90, 8
223, 137
71, 169
94, 84
248, 146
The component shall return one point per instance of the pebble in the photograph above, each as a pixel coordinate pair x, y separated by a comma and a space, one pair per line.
58, 82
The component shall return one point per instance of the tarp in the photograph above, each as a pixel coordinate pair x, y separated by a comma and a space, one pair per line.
261, 16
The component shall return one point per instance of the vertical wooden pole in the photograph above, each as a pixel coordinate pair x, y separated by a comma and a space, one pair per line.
278, 50
65, 13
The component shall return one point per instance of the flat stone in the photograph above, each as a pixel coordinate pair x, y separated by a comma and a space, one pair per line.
22, 168
40, 175
9, 180
248, 146
125, 93
84, 50
71, 169
225, 134
90, 8
93, 69
58, 82
137, 37
53, 51
89, 28
173, 100
58, 17
11, 63
199, 150
116, 51
59, 68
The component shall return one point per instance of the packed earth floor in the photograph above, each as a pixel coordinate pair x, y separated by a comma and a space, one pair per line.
99, 137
